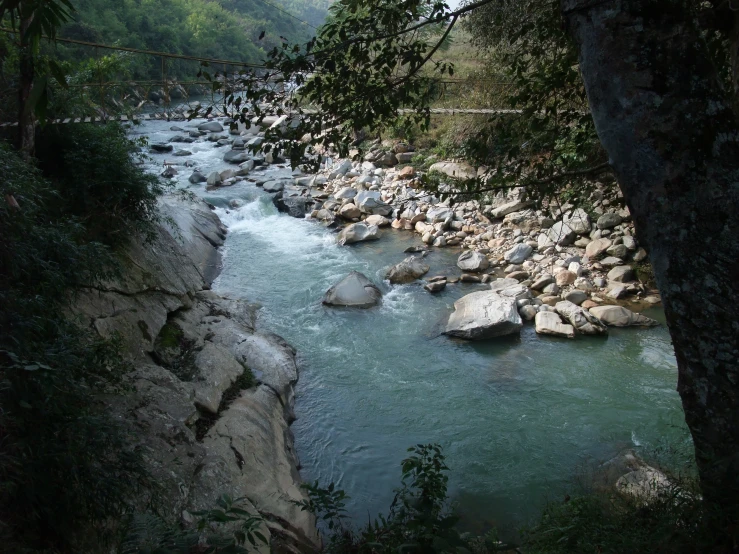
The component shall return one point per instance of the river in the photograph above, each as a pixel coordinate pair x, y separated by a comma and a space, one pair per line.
519, 419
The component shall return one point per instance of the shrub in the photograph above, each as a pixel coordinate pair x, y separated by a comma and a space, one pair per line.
64, 464
97, 171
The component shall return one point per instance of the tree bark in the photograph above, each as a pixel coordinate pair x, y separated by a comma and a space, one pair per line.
26, 120
673, 141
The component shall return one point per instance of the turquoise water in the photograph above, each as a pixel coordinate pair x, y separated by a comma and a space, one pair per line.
518, 418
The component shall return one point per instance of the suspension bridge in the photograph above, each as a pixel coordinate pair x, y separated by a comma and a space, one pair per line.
105, 93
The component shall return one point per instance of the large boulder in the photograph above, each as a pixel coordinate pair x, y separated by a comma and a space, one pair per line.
236, 157
373, 206
472, 261
439, 215
621, 274
455, 170
294, 206
350, 211
597, 248
484, 315
211, 127
561, 233
583, 321
407, 271
618, 316
274, 186
355, 290
358, 232
607, 221
519, 253
510, 207
549, 323
578, 220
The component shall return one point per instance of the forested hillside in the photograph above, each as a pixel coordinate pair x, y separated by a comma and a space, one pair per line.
226, 29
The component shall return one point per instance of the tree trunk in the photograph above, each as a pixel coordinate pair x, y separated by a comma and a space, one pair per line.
26, 120
673, 141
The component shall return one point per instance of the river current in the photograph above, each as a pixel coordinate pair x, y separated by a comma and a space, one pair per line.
519, 419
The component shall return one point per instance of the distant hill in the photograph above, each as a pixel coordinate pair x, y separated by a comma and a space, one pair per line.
223, 29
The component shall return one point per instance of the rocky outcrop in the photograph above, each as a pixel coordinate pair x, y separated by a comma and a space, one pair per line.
484, 315
211, 397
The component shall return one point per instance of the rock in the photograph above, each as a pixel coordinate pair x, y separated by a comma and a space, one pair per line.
640, 255
388, 159
565, 277
528, 313
274, 186
326, 217
618, 251
583, 321
214, 179
236, 157
542, 281
610, 261
617, 292
469, 278
406, 173
549, 323
629, 243
518, 254
484, 315
346, 193
407, 271
502, 284
197, 177
350, 211
372, 206
182, 153
621, 274
294, 206
358, 232
472, 261
608, 221
577, 297
455, 170
560, 233
170, 172
509, 208
436, 286
161, 148
378, 220
578, 220
439, 215
211, 127
355, 291
597, 248
618, 316
645, 484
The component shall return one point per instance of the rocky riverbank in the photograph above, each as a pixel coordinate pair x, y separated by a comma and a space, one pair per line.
212, 395
569, 270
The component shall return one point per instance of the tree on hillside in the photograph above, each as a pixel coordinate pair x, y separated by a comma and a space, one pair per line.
656, 75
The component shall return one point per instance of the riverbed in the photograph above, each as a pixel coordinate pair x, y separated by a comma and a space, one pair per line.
519, 419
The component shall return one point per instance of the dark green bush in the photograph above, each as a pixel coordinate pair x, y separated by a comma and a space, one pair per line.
97, 172
64, 464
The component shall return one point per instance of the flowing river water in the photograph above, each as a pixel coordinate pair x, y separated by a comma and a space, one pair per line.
519, 419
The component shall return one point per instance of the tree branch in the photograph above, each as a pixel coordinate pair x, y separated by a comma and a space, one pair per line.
430, 54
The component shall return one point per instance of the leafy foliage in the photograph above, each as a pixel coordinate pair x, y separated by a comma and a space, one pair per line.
64, 463
226, 529
95, 170
419, 519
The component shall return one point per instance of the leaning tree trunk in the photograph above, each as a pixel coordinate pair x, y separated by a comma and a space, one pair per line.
673, 141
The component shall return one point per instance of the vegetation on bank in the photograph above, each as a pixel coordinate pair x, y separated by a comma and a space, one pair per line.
65, 465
